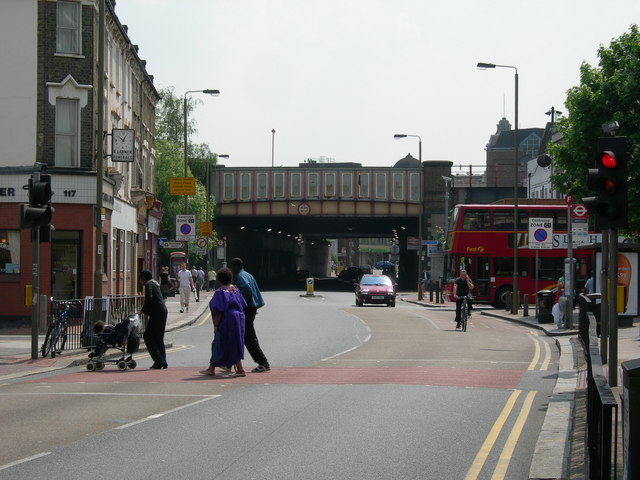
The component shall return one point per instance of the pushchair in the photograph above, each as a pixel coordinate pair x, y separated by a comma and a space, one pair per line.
125, 337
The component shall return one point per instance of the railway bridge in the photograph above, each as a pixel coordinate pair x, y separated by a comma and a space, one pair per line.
281, 219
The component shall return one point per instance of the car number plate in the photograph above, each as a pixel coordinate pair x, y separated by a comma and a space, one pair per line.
377, 297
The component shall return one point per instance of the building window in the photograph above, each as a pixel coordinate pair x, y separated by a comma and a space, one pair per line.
381, 185
347, 185
262, 186
414, 194
296, 185
228, 191
531, 145
245, 186
313, 185
9, 251
67, 134
278, 185
363, 185
330, 185
398, 186
68, 28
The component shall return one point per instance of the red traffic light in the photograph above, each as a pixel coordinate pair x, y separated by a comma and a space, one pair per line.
608, 159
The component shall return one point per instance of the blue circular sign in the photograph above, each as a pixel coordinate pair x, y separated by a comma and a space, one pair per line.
540, 235
185, 229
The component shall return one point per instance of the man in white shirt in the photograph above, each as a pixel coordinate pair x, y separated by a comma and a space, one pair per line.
186, 285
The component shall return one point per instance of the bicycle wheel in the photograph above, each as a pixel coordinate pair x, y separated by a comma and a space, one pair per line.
46, 346
464, 316
62, 338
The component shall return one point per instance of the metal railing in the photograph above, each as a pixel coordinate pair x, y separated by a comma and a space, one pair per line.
78, 315
602, 407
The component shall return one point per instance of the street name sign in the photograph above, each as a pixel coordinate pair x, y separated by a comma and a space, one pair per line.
541, 233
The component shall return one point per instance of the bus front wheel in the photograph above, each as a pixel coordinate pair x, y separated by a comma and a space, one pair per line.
501, 297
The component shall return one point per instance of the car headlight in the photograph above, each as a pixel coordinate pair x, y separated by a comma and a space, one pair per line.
364, 291
390, 291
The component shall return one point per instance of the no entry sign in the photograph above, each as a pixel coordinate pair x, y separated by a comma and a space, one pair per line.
541, 233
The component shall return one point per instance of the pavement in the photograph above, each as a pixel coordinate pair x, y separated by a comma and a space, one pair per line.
15, 350
561, 447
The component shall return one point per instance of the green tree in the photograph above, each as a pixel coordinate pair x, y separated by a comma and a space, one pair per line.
608, 92
170, 163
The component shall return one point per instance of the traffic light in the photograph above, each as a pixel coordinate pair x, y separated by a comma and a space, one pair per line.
608, 181
38, 212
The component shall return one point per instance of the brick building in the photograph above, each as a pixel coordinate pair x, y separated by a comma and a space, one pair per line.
48, 115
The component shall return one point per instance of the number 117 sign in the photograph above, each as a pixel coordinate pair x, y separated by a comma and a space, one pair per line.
541, 233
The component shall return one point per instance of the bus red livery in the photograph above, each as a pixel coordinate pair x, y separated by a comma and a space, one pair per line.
480, 241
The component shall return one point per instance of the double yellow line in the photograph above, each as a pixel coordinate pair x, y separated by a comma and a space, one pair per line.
536, 354
502, 465
507, 451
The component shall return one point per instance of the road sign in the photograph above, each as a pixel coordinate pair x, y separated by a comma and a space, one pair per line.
186, 227
182, 186
580, 231
579, 212
206, 229
172, 244
201, 242
541, 233
413, 243
569, 199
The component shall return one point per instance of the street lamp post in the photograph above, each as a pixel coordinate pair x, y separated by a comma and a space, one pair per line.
515, 301
208, 92
273, 143
403, 135
209, 190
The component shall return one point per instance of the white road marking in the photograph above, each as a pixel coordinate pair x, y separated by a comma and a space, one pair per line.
427, 319
158, 415
24, 460
444, 360
44, 394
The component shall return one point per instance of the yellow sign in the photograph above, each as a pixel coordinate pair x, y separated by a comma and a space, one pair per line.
206, 229
182, 186
28, 295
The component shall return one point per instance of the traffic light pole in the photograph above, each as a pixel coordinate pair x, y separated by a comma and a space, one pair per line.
604, 299
613, 311
35, 285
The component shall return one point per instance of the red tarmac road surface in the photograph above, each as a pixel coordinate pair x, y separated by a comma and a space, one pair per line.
437, 376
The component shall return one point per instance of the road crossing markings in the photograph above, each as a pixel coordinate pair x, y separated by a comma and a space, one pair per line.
487, 445
162, 414
24, 460
507, 452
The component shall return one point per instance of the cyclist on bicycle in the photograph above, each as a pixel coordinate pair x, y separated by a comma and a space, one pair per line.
462, 286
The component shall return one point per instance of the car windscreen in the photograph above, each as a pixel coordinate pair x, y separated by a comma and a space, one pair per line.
381, 280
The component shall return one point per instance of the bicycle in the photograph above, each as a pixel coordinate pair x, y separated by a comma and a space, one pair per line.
464, 312
56, 337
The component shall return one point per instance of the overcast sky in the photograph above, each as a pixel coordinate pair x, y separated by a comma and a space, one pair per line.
338, 78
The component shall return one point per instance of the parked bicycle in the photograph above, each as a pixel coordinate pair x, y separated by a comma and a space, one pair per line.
464, 313
56, 337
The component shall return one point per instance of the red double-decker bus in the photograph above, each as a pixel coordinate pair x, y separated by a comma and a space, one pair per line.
480, 241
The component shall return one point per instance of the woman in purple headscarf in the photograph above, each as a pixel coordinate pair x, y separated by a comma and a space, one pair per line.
227, 310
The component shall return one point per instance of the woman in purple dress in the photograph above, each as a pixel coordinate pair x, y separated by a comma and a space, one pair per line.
227, 310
